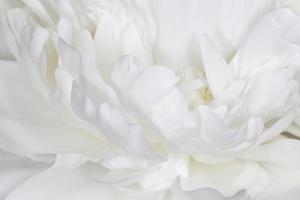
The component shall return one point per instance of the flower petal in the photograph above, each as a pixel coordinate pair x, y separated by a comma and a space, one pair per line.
28, 123
272, 37
61, 184
16, 169
216, 68
112, 123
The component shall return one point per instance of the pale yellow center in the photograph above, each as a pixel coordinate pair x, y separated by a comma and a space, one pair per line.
206, 94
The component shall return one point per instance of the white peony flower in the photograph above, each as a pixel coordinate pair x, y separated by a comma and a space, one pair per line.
149, 99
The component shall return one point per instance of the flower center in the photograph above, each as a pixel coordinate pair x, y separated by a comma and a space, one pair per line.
206, 94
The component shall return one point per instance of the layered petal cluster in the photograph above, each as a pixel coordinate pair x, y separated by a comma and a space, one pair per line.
149, 99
